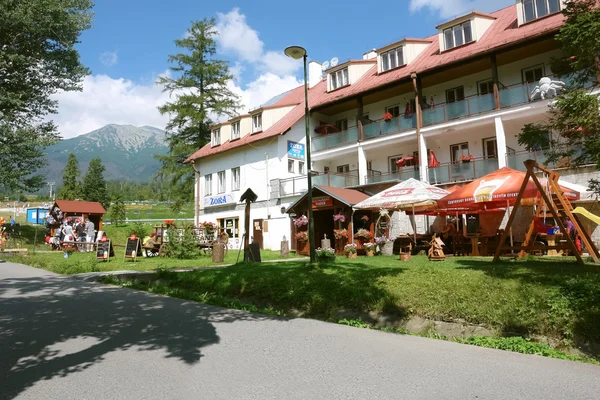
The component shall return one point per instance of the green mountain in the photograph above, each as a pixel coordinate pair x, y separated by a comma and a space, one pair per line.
126, 151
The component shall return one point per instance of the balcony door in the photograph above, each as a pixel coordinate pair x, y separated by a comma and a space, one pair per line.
457, 151
490, 148
455, 106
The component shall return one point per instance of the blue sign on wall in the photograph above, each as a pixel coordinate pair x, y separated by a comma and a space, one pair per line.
295, 150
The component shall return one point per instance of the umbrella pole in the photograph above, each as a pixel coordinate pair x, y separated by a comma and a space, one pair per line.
512, 250
414, 221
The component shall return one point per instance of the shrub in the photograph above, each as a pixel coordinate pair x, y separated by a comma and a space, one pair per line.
138, 229
325, 255
181, 244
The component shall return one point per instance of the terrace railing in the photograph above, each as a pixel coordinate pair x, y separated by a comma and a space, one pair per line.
401, 175
462, 171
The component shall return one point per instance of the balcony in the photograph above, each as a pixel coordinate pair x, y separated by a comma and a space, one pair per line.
401, 175
332, 140
299, 184
462, 171
382, 127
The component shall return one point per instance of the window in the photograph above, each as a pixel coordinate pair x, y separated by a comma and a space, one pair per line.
534, 9
455, 94
300, 167
221, 183
490, 148
533, 74
256, 123
216, 137
394, 110
458, 35
231, 226
342, 124
235, 178
326, 170
208, 185
485, 87
291, 166
392, 59
338, 78
393, 168
343, 168
459, 150
235, 130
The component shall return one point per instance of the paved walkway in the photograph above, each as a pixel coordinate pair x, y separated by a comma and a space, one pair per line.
63, 338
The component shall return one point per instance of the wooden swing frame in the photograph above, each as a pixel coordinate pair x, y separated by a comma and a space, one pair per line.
565, 210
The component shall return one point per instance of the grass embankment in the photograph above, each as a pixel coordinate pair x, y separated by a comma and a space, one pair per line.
79, 263
549, 297
133, 212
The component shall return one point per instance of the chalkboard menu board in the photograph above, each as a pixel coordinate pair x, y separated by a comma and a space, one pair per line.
103, 250
472, 224
133, 245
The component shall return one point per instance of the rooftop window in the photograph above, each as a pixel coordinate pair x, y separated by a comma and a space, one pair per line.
338, 78
458, 35
216, 137
392, 59
534, 9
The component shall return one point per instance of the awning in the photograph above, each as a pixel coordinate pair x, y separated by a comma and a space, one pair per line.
497, 190
407, 194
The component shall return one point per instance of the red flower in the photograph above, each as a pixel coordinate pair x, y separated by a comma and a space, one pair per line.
387, 116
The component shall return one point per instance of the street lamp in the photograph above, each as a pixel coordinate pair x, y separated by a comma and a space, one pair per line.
297, 52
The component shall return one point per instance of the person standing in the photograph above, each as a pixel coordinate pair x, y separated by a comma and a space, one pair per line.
80, 231
90, 231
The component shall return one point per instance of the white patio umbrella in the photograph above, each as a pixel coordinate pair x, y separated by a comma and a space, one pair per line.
406, 195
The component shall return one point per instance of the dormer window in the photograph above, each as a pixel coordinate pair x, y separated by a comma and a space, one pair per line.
216, 137
338, 78
458, 35
392, 59
256, 123
534, 9
235, 130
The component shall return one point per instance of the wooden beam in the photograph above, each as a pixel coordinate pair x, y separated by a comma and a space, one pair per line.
495, 81
513, 214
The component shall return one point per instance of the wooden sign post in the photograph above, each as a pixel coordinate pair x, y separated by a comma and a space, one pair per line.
103, 251
133, 247
249, 197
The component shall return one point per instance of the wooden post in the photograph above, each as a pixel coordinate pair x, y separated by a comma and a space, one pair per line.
249, 197
495, 81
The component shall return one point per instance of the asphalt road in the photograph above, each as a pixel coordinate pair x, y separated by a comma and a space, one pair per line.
61, 338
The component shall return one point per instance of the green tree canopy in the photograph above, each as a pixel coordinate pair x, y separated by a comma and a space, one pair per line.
571, 134
117, 210
200, 92
71, 188
94, 185
38, 58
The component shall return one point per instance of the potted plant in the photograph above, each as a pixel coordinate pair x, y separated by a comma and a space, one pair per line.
340, 234
302, 221
350, 250
363, 235
339, 218
325, 255
387, 117
302, 236
466, 159
386, 245
169, 222
370, 249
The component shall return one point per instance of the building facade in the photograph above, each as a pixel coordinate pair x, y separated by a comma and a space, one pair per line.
459, 97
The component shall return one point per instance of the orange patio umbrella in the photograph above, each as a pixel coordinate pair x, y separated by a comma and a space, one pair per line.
497, 190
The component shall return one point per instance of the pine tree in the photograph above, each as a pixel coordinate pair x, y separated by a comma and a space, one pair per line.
117, 210
94, 185
200, 91
71, 188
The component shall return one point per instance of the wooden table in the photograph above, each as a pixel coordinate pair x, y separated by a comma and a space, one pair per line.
474, 246
552, 239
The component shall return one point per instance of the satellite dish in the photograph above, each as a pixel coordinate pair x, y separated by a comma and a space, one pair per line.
334, 61
325, 66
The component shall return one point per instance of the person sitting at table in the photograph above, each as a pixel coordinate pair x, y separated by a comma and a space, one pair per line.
449, 232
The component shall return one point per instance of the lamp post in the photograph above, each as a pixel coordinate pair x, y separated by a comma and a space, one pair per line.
297, 52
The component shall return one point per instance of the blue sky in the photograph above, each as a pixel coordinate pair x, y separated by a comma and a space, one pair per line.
129, 44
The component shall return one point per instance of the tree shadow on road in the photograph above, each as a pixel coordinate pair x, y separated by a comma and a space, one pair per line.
38, 314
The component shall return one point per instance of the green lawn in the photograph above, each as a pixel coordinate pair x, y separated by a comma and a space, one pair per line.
160, 211
86, 262
549, 297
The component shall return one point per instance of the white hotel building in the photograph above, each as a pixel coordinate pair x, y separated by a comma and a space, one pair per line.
470, 83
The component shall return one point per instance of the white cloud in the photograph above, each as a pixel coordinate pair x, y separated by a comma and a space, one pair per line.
237, 38
105, 100
109, 58
450, 8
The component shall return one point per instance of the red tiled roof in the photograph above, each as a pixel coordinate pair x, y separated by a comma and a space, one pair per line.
349, 197
503, 31
80, 207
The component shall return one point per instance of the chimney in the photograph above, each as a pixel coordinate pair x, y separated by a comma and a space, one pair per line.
369, 55
314, 73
